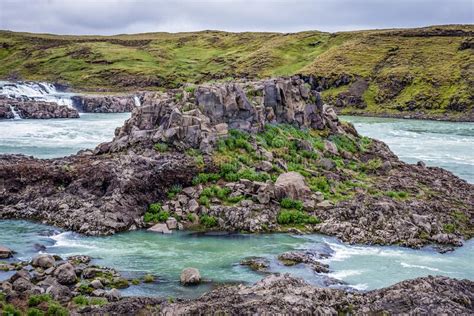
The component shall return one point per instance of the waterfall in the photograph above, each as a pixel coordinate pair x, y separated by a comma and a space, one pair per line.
16, 116
137, 101
36, 91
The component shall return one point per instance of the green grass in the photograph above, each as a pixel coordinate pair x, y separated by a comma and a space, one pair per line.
433, 69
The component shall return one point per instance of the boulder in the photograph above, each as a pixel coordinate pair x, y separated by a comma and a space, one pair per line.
172, 223
5, 252
43, 261
65, 274
113, 295
96, 284
190, 276
291, 185
59, 292
160, 228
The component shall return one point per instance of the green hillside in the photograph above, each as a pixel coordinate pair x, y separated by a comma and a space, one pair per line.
381, 71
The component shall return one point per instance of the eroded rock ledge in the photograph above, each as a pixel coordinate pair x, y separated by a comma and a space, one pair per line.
213, 155
282, 294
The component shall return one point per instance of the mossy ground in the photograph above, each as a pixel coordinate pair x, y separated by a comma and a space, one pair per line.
434, 68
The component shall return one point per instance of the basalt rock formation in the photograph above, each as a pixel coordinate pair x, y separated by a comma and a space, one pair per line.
282, 294
249, 155
30, 109
105, 103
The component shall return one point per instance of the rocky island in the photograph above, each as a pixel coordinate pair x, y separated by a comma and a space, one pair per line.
255, 156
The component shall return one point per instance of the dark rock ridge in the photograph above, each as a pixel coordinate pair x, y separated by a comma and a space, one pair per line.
105, 103
383, 200
282, 294
30, 109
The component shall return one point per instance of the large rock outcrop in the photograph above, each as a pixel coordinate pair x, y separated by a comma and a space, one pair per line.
30, 109
105, 103
282, 294
197, 119
360, 191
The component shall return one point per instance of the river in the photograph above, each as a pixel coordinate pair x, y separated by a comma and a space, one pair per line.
444, 144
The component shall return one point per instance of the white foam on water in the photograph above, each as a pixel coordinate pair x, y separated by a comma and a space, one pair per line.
68, 239
16, 116
360, 286
343, 274
407, 265
343, 252
38, 91
137, 101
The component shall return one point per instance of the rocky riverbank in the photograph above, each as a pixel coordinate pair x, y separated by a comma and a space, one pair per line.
257, 156
55, 286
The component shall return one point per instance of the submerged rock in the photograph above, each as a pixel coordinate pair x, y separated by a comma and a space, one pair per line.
258, 264
5, 252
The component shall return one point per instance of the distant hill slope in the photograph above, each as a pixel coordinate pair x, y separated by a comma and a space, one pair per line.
429, 70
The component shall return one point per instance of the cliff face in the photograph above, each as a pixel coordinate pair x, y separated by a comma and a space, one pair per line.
424, 72
250, 155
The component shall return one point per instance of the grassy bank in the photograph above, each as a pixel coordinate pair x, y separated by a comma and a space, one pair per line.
381, 71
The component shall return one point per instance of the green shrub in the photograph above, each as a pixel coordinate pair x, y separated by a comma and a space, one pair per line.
80, 300
320, 184
365, 143
191, 217
120, 283
35, 300
286, 217
344, 142
205, 177
56, 310
178, 96
161, 147
190, 89
449, 228
10, 310
397, 194
34, 312
235, 199
135, 282
155, 208
97, 301
291, 204
204, 200
208, 221
174, 190
85, 288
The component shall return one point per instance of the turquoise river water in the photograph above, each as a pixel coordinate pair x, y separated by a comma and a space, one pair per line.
448, 145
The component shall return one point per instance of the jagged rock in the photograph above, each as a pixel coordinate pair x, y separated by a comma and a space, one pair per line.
190, 276
59, 292
172, 223
291, 185
96, 284
65, 274
43, 261
80, 259
292, 258
5, 252
104, 103
282, 294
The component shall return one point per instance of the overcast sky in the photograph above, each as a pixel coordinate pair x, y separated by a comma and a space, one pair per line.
135, 16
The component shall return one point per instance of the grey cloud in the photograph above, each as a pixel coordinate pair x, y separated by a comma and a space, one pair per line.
133, 16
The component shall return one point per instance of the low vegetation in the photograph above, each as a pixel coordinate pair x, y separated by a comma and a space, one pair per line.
426, 69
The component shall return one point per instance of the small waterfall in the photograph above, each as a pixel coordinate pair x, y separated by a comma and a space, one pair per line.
137, 101
36, 91
16, 116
